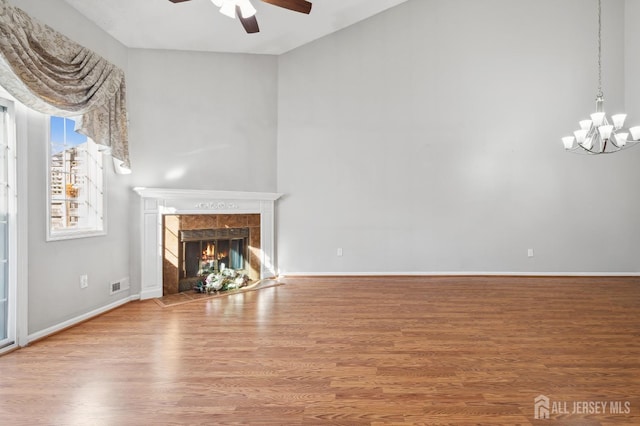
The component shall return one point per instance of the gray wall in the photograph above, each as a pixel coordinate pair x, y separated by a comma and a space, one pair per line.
55, 267
203, 120
632, 59
427, 139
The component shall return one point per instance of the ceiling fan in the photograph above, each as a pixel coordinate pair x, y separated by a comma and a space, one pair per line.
245, 11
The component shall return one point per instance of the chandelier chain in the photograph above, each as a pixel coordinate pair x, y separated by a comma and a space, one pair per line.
600, 94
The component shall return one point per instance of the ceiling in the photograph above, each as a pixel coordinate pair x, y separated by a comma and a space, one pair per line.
198, 25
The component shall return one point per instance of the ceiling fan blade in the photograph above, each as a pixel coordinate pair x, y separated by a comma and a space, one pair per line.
177, 1
301, 6
250, 24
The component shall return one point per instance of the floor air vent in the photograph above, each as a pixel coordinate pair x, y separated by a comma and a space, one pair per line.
120, 285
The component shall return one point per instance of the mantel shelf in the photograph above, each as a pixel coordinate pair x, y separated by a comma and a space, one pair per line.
174, 194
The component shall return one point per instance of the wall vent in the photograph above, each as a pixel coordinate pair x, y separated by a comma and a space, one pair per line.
118, 286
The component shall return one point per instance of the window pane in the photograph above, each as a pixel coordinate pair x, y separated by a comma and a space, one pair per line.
57, 130
3, 159
3, 240
4, 199
3, 279
4, 311
74, 194
3, 319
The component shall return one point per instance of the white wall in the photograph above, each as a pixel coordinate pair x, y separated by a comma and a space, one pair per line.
54, 267
427, 139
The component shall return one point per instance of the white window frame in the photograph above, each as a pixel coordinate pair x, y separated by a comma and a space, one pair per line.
97, 229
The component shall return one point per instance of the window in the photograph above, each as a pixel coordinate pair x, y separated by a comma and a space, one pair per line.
76, 183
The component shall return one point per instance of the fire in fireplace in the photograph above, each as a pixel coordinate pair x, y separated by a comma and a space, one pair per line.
212, 250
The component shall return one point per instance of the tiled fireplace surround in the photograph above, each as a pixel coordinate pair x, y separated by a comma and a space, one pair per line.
157, 203
172, 246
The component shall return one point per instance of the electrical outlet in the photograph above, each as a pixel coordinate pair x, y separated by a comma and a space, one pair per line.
84, 281
339, 252
530, 253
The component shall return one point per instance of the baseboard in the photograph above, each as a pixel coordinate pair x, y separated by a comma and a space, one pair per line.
461, 274
8, 349
77, 320
150, 294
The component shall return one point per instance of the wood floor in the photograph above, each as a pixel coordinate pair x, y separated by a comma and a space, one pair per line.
344, 351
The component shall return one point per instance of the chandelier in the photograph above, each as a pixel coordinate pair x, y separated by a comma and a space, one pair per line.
598, 135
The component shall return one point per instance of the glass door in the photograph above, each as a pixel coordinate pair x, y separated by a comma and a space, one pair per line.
236, 255
7, 292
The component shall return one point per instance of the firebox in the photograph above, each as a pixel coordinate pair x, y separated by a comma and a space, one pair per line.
213, 250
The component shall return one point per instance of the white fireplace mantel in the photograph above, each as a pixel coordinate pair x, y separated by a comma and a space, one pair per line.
156, 202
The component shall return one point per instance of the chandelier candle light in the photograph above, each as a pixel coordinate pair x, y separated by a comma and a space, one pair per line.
598, 135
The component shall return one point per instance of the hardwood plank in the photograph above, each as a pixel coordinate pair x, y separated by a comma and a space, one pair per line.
343, 351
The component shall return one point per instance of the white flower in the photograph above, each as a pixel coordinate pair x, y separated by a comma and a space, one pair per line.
214, 282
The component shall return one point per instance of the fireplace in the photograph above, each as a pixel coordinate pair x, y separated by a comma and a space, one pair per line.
161, 205
213, 250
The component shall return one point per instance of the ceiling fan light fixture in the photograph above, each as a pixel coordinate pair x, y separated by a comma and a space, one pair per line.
245, 11
228, 8
246, 8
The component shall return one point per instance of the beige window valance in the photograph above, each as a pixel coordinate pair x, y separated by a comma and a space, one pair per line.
52, 74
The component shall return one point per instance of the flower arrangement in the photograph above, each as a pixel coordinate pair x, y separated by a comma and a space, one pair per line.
227, 279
